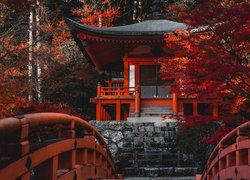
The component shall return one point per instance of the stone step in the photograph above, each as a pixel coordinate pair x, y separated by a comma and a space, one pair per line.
159, 172
156, 108
159, 156
161, 178
150, 156
152, 111
157, 162
149, 119
146, 147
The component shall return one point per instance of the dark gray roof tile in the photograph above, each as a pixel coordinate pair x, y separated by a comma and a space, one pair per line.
145, 28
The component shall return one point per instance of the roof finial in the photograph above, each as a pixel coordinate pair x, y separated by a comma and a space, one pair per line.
156, 10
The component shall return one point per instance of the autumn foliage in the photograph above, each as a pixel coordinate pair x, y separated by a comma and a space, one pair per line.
211, 60
67, 80
95, 17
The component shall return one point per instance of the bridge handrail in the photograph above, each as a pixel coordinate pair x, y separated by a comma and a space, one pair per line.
12, 124
22, 123
232, 138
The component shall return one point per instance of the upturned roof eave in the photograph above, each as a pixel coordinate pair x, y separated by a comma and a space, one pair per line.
104, 32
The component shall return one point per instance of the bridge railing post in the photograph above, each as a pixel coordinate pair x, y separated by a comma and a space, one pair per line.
86, 155
90, 154
105, 163
68, 159
68, 131
24, 134
22, 146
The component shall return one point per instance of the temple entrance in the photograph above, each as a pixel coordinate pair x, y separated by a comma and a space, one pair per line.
151, 83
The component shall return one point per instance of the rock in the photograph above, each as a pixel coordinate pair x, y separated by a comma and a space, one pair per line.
157, 129
107, 133
142, 134
159, 140
164, 128
148, 124
165, 172
139, 146
128, 134
120, 145
160, 124
149, 128
138, 139
152, 172
99, 125
150, 134
172, 124
141, 129
143, 149
117, 137
148, 139
113, 149
113, 125
135, 128
128, 144
185, 171
133, 172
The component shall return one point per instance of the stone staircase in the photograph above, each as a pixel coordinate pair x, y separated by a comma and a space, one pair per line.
155, 110
151, 111
146, 149
152, 152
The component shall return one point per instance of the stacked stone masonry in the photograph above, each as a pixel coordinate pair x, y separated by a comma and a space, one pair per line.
146, 149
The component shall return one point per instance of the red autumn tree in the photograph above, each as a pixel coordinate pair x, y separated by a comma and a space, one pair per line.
211, 60
56, 49
97, 13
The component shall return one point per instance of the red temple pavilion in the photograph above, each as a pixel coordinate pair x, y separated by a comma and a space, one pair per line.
135, 90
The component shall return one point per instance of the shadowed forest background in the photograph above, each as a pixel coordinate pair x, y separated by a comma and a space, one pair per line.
42, 69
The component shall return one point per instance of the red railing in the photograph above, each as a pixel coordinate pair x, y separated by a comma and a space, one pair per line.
231, 157
78, 150
117, 91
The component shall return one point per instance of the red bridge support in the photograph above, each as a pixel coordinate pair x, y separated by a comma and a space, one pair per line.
78, 151
231, 157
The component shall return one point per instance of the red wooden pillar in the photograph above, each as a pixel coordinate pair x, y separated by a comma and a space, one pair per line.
98, 105
118, 111
98, 110
195, 107
215, 110
109, 83
175, 103
137, 101
126, 71
99, 89
102, 113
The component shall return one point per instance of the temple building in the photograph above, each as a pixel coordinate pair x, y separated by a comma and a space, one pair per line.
135, 90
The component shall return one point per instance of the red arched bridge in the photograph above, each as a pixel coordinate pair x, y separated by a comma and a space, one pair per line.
52, 146
230, 160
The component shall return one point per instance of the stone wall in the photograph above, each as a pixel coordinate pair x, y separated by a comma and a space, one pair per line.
145, 149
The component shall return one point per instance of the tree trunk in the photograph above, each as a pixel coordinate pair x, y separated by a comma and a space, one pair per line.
30, 63
135, 11
38, 44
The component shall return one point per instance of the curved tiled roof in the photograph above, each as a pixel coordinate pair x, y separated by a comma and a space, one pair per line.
145, 28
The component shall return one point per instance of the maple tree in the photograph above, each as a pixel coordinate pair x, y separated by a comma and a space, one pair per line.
99, 15
211, 60
57, 51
